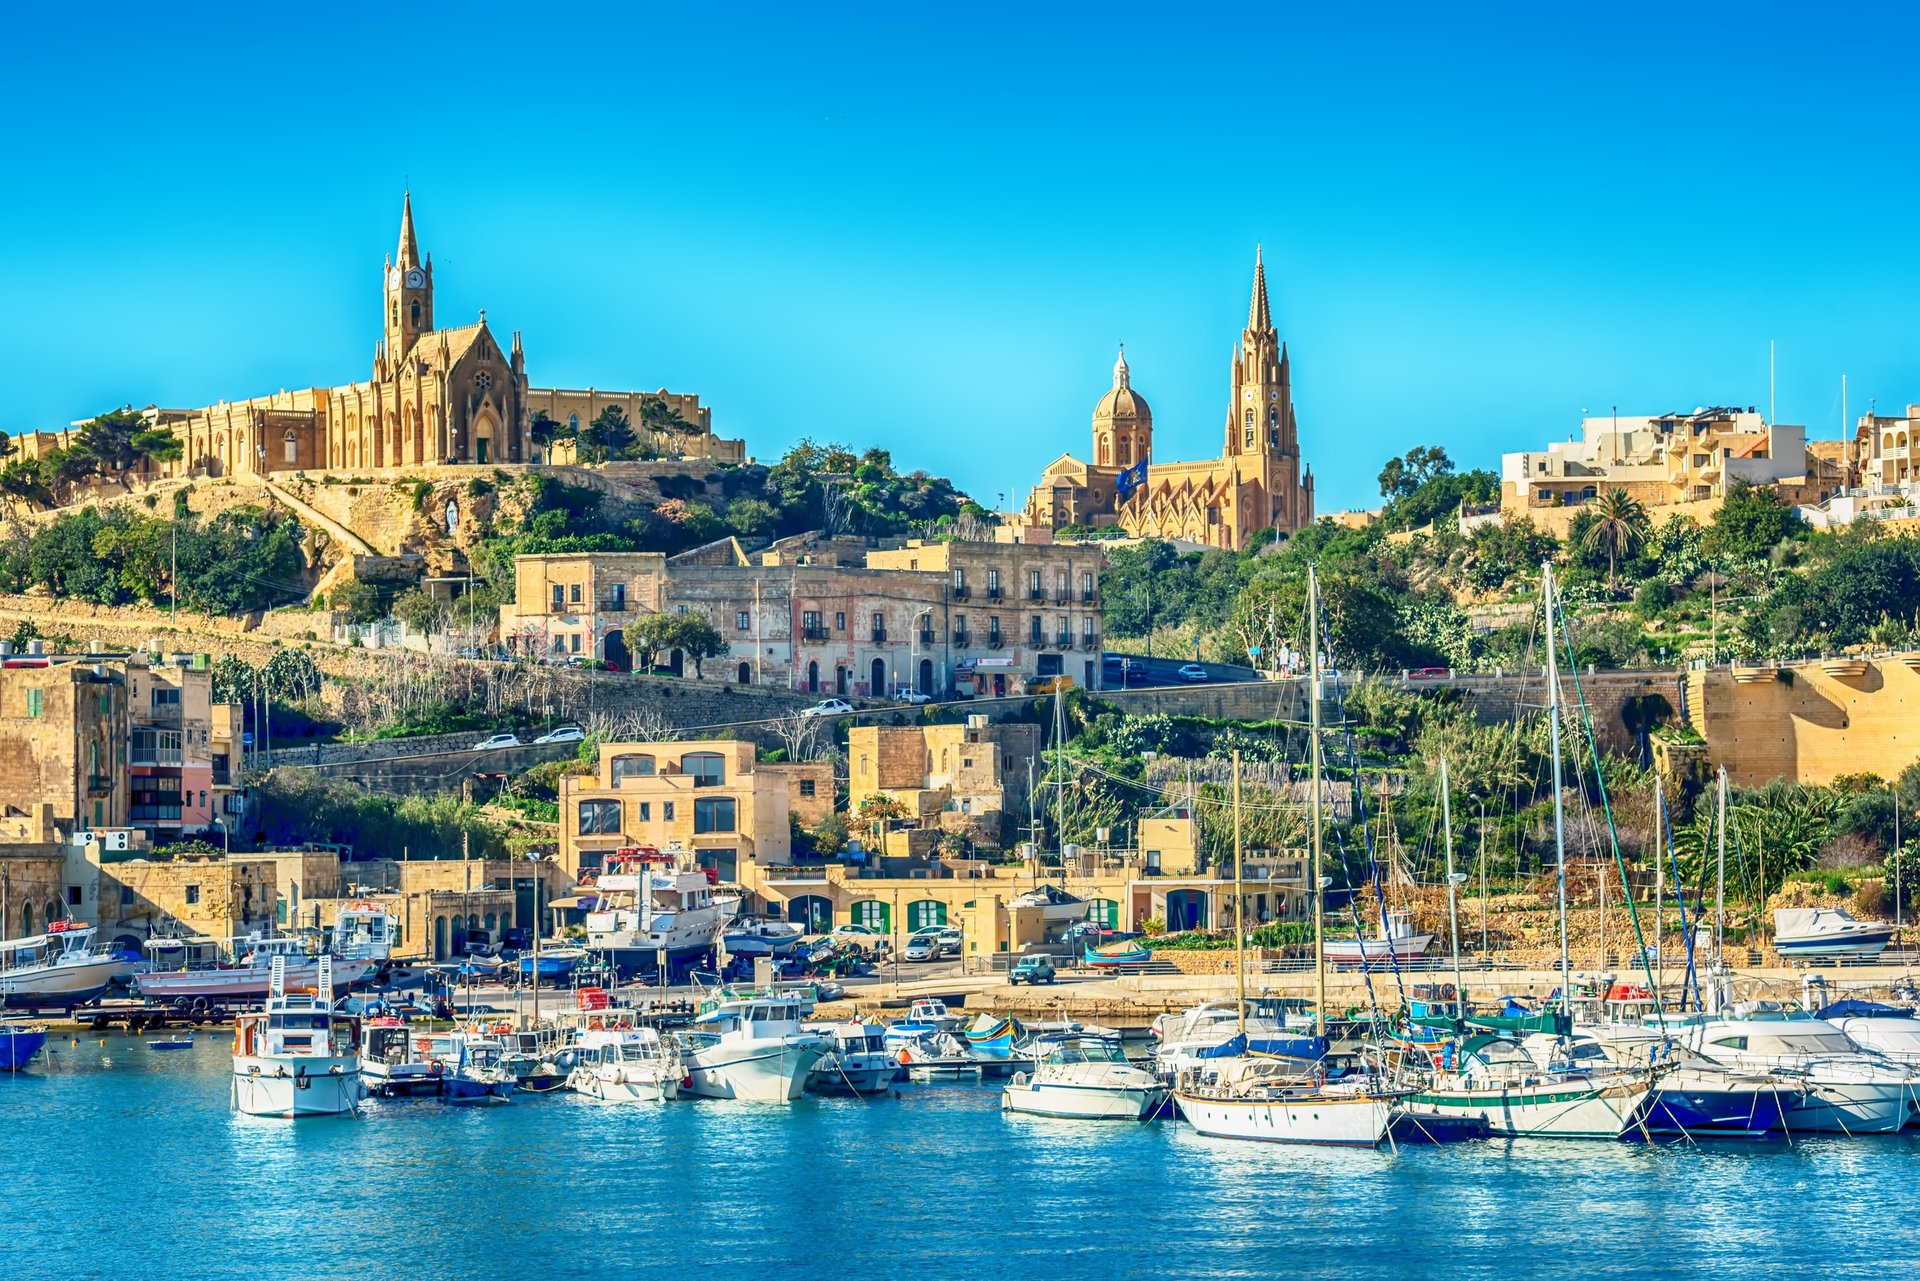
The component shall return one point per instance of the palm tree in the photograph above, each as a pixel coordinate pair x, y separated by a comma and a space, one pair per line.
1619, 525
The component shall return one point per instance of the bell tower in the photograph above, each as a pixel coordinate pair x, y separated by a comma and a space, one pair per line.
409, 290
1260, 414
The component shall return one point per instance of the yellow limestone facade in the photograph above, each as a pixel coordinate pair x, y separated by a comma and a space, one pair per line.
437, 395
1258, 482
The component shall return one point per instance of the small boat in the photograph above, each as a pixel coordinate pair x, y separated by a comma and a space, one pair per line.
993, 1038
1826, 931
1396, 943
858, 1063
924, 1017
1055, 904
939, 1056
19, 1044
1849, 1091
752, 1047
392, 1065
476, 1074
364, 931
1276, 1101
296, 1057
1111, 954
752, 937
59, 969
1087, 1077
249, 980
172, 1042
626, 1064
557, 964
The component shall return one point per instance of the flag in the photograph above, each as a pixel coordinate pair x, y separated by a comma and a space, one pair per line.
1131, 478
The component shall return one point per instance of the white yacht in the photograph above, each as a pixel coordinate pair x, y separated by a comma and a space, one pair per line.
393, 1064
59, 969
652, 905
1206, 1031
297, 1057
1800, 932
246, 980
751, 1047
1884, 1029
858, 1062
364, 931
1541, 1088
926, 1017
1849, 1090
626, 1063
1086, 1077
1277, 1100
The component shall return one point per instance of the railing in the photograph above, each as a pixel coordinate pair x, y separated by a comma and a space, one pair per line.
961, 639
813, 633
879, 635
612, 604
996, 641
1087, 595
1089, 642
99, 784
1034, 637
961, 591
1065, 640
926, 637
1035, 593
993, 593
1061, 596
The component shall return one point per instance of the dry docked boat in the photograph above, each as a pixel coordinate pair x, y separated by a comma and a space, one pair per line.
61, 968
248, 980
1087, 1077
650, 904
1396, 944
1827, 931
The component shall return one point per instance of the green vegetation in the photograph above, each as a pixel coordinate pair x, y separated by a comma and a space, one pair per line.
297, 806
244, 559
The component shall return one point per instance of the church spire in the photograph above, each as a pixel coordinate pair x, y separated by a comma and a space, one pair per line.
1259, 315
1120, 372
409, 246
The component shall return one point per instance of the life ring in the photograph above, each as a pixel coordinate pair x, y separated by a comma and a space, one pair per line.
436, 1067
905, 1058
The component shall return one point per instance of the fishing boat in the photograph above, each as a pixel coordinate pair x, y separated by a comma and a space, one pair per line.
470, 1064
556, 964
246, 980
20, 1043
858, 1063
653, 905
171, 1042
626, 1063
1803, 932
924, 1017
60, 969
939, 1056
1087, 1077
1107, 955
1396, 944
993, 1038
364, 931
393, 1065
752, 1047
296, 1057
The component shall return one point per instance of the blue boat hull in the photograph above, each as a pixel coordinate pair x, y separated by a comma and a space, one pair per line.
1734, 1113
51, 1000
18, 1047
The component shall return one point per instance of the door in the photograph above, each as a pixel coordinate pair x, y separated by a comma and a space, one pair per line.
1186, 910
813, 677
811, 912
879, 686
840, 681
999, 686
745, 675
677, 663
1104, 911
614, 650
926, 676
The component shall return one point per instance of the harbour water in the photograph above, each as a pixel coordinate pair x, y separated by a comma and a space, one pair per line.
122, 1162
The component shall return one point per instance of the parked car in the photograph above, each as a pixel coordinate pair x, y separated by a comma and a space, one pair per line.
1430, 673
922, 947
862, 937
1094, 932
1036, 968
914, 697
1050, 684
496, 741
941, 940
565, 734
1194, 672
829, 707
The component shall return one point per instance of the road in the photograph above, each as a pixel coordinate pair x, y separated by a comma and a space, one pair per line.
1166, 671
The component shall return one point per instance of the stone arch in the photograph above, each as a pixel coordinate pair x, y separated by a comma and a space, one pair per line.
878, 685
745, 674
486, 435
812, 912
813, 676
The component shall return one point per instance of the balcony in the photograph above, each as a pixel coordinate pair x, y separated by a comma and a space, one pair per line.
813, 633
99, 784
961, 591
1089, 642
615, 604
993, 593
1035, 638
1088, 595
961, 638
879, 635
996, 641
1034, 593
1064, 641
1062, 596
926, 636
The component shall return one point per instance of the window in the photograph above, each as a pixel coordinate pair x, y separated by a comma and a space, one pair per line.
573, 642
713, 814
1033, 584
1033, 632
666, 811
126, 896
839, 622
599, 818
290, 447
707, 769
106, 704
73, 896
806, 787
631, 766
646, 811
193, 895
617, 600
573, 593
165, 696
559, 596
960, 580
35, 702
743, 621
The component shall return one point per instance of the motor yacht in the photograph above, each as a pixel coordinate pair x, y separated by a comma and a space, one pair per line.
1849, 1090
1803, 932
296, 1057
391, 1065
752, 1047
1087, 1077
857, 1063
653, 905
626, 1063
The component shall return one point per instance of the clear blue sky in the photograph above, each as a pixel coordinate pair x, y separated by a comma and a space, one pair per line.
927, 228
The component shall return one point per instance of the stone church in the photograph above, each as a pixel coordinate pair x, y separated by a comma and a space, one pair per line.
437, 396
1258, 481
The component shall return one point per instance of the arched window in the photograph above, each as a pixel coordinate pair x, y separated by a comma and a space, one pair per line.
599, 818
632, 766
1126, 452
26, 918
707, 769
291, 447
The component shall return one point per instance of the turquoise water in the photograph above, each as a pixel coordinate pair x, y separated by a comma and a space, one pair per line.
119, 1162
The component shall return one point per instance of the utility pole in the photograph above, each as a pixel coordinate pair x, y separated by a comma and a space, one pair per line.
173, 591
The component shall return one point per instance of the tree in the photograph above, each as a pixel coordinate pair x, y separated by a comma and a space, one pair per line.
647, 635
1619, 526
749, 517
23, 485
157, 445
420, 611
291, 676
546, 430
1751, 522
1403, 476
356, 599
610, 433
697, 639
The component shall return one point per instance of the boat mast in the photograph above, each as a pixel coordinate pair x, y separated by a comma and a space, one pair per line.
1720, 877
1239, 900
1313, 806
1659, 879
1559, 806
1453, 911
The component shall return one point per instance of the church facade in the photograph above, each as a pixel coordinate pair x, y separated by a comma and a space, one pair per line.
437, 396
1257, 483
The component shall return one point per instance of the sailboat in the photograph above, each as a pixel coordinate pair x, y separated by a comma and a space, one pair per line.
1285, 1100
1538, 1088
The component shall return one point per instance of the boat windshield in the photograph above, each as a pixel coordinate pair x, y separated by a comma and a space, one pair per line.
1803, 1043
1086, 1052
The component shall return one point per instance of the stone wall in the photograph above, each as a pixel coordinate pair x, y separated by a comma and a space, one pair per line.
1810, 722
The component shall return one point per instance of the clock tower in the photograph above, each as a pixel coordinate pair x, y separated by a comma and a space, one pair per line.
409, 290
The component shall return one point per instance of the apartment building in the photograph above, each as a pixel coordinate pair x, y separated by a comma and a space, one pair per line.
1017, 611
578, 605
713, 798
966, 778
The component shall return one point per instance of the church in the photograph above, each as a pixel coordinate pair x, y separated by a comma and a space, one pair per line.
438, 396
1257, 482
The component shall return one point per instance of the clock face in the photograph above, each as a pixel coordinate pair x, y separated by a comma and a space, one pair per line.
416, 278
393, 278
1249, 394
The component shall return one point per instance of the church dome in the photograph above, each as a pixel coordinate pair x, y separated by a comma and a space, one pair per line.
1123, 403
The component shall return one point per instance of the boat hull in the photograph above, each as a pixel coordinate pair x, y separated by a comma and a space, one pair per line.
295, 1087
249, 984
763, 1071
61, 986
1855, 1107
623, 1085
1859, 943
406, 1080
1567, 1111
1376, 952
863, 1073
1082, 1102
1731, 1112
1359, 1121
19, 1045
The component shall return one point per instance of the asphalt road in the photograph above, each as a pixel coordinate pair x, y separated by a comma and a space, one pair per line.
1143, 673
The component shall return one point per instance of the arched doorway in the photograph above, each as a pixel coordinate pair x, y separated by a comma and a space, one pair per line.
26, 919
879, 686
745, 674
677, 663
926, 676
925, 913
1186, 910
1104, 912
439, 938
811, 912
840, 680
485, 428
813, 677
615, 651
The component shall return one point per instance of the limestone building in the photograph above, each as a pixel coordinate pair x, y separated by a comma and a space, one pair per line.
1257, 483
437, 395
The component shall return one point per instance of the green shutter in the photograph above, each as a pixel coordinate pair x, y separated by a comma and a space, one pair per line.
34, 703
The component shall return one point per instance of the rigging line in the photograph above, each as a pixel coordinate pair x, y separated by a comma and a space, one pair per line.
1691, 982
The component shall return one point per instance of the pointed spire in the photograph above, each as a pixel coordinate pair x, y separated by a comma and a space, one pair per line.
1120, 370
409, 247
1259, 315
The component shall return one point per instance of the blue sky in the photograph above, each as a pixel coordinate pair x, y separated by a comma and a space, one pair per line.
927, 228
